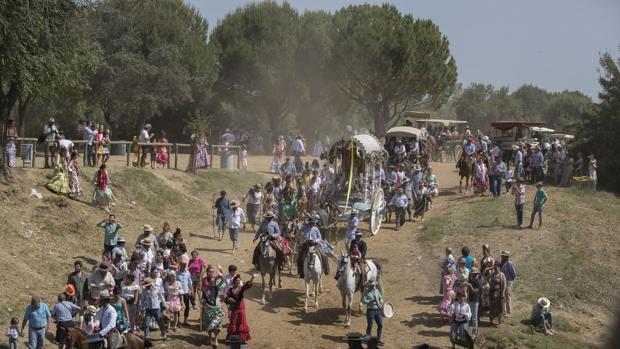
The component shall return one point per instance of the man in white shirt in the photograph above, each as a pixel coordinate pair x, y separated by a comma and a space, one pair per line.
233, 220
400, 203
461, 314
298, 151
145, 137
50, 131
108, 320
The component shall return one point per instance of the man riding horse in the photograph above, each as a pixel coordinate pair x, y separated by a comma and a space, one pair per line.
312, 237
469, 149
269, 227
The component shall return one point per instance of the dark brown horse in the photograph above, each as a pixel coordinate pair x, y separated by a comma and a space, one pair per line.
76, 338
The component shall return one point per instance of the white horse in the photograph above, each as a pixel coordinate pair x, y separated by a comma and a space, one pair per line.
313, 271
267, 264
349, 282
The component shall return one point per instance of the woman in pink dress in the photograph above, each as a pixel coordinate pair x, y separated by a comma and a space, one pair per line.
162, 151
174, 298
481, 179
448, 292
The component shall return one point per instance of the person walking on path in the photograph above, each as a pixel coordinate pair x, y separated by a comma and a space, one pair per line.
110, 228
539, 201
519, 193
234, 218
253, 198
401, 203
150, 304
238, 318
79, 280
461, 314
13, 334
374, 302
498, 169
222, 205
508, 268
37, 317
474, 288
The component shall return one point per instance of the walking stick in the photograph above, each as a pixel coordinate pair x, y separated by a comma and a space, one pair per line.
214, 219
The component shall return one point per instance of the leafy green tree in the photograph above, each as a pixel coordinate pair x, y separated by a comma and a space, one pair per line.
156, 59
256, 47
599, 132
389, 63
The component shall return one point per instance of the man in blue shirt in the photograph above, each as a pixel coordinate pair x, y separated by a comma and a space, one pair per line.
37, 316
151, 300
63, 312
312, 236
268, 226
468, 150
510, 272
374, 302
222, 205
400, 203
352, 222
538, 160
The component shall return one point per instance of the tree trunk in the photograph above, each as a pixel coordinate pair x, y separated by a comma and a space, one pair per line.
22, 108
378, 115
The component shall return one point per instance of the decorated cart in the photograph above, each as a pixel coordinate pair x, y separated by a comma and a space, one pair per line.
445, 147
355, 182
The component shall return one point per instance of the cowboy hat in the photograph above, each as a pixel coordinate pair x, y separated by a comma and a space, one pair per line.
256, 186
91, 310
147, 227
120, 239
70, 290
269, 214
104, 294
146, 242
358, 233
539, 184
147, 282
544, 302
234, 204
354, 211
505, 253
103, 266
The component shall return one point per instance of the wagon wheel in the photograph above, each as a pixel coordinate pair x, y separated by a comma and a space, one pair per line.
378, 209
458, 151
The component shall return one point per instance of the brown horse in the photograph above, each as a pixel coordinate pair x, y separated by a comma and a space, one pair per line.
76, 338
466, 170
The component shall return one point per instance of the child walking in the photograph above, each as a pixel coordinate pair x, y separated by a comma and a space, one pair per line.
13, 334
508, 175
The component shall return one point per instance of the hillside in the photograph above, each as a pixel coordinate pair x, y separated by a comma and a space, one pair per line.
570, 260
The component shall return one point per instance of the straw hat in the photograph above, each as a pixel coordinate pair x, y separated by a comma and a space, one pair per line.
147, 282
539, 184
506, 253
544, 302
269, 214
234, 204
147, 228
104, 294
91, 310
146, 242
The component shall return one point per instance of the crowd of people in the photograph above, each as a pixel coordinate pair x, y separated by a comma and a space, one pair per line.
473, 288
151, 287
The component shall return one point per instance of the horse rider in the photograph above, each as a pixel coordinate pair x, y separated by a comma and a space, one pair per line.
107, 325
312, 237
469, 149
361, 244
352, 222
400, 151
414, 148
269, 227
417, 176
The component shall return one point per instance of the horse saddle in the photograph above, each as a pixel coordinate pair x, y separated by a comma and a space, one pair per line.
95, 338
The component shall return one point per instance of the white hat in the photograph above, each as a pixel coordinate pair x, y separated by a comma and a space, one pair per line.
544, 302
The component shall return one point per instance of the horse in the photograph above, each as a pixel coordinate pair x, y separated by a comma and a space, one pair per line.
313, 271
350, 282
267, 264
76, 338
466, 170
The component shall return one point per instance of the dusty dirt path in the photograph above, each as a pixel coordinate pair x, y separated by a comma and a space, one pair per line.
409, 278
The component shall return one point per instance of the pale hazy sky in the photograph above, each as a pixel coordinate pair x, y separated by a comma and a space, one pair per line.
554, 44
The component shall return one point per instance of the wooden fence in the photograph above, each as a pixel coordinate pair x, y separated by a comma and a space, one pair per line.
173, 148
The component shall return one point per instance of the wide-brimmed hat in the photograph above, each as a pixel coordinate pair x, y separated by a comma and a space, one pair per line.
146, 242
505, 253
544, 302
147, 282
354, 211
147, 227
358, 233
256, 186
269, 214
70, 290
103, 266
539, 184
104, 294
120, 239
91, 309
234, 204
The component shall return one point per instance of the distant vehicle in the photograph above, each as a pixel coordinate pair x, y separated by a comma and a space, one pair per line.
446, 146
508, 134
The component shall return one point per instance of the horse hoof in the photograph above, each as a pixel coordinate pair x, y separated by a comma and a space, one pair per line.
263, 301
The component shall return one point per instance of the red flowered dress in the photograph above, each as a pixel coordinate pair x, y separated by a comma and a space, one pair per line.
238, 319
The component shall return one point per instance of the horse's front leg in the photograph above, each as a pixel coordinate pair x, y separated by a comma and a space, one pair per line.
316, 293
262, 275
279, 275
272, 283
